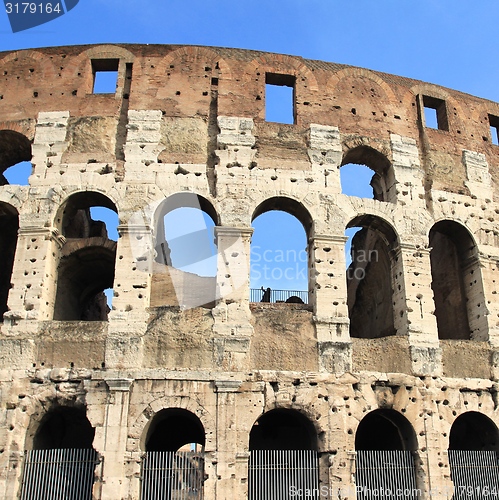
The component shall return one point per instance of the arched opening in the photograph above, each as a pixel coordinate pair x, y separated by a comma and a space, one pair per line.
279, 258
456, 283
173, 466
474, 431
62, 457
371, 278
15, 158
384, 443
9, 226
185, 252
385, 430
283, 455
473, 454
378, 182
172, 429
85, 272
283, 429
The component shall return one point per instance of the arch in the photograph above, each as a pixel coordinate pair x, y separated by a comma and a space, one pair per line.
194, 244
289, 205
371, 278
64, 427
283, 429
9, 226
15, 148
385, 430
279, 258
73, 217
86, 261
173, 428
474, 431
456, 282
383, 180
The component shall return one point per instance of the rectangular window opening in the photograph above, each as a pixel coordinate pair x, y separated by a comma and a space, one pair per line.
105, 73
494, 129
435, 113
280, 98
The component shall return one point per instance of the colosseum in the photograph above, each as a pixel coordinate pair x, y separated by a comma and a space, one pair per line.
380, 382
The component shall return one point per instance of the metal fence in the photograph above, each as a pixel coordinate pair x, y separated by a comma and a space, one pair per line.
282, 474
293, 296
385, 475
60, 474
475, 474
168, 475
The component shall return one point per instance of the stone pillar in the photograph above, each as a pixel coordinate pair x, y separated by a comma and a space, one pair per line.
232, 328
34, 275
409, 176
131, 288
329, 297
110, 439
229, 470
142, 145
235, 142
325, 154
48, 146
477, 172
414, 309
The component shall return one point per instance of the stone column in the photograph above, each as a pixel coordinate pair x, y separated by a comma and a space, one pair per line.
228, 471
409, 176
34, 275
110, 439
329, 298
128, 319
232, 328
414, 309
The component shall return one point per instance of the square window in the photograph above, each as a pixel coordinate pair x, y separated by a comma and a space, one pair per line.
494, 129
435, 113
279, 98
105, 73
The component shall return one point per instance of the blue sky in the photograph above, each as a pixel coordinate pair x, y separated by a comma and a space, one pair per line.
450, 43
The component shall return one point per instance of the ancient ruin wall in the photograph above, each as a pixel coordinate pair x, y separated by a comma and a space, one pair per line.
192, 120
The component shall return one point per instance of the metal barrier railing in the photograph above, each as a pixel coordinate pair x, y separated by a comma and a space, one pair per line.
475, 474
282, 474
168, 475
271, 295
385, 475
59, 474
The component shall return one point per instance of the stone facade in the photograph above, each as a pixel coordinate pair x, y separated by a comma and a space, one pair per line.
189, 122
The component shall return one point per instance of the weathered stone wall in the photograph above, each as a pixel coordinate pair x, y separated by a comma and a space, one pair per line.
192, 120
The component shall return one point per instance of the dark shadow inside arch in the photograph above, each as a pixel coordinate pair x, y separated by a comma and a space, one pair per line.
85, 272
385, 430
64, 427
283, 429
15, 150
174, 428
9, 226
453, 256
370, 278
473, 431
382, 181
